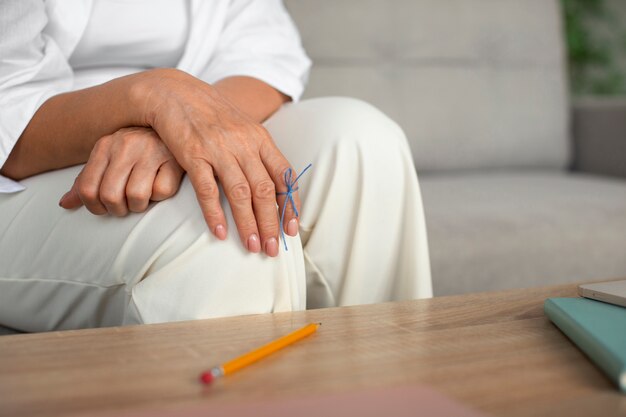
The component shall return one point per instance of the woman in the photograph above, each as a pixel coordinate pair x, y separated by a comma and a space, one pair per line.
174, 214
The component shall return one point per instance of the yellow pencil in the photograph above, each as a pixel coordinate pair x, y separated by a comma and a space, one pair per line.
253, 356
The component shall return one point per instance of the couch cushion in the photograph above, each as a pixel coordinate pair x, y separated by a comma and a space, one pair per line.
514, 230
474, 83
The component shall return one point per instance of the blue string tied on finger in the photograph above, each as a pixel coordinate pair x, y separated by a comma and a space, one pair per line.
291, 188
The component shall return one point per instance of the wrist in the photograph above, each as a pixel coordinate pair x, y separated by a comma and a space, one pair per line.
139, 98
152, 90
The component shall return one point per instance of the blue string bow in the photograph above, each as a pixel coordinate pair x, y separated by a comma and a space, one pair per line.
289, 197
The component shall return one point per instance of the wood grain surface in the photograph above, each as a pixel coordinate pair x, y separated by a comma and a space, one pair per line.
495, 352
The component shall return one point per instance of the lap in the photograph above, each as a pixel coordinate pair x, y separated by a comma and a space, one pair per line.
73, 269
69, 269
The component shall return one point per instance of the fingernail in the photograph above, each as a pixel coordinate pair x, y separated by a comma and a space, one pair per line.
63, 198
292, 227
271, 247
253, 243
220, 232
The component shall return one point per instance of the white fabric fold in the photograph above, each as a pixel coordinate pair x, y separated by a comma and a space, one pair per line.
7, 185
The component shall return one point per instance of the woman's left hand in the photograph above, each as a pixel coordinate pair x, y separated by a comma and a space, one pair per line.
125, 171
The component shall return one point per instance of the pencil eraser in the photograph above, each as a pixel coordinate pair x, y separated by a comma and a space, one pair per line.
206, 377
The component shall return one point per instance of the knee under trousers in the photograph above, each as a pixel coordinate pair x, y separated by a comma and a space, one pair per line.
362, 238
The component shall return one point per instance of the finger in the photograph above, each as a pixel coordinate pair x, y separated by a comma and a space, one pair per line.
203, 182
88, 183
71, 200
139, 187
282, 174
263, 204
167, 181
238, 193
113, 186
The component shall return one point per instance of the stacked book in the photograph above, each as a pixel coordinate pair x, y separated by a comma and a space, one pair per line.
597, 328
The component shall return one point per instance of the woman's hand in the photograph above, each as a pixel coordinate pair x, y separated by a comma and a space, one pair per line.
210, 137
125, 171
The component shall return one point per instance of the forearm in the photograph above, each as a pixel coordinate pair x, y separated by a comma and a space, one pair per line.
255, 98
65, 128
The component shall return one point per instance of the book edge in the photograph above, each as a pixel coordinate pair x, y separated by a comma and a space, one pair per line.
587, 343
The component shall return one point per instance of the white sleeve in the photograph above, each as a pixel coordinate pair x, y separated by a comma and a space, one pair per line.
32, 68
260, 40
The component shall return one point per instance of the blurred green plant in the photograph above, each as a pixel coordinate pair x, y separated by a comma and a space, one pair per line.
593, 66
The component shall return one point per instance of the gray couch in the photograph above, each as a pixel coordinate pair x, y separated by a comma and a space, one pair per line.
520, 186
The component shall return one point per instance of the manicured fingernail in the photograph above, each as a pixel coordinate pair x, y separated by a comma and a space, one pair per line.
254, 245
292, 227
220, 232
271, 247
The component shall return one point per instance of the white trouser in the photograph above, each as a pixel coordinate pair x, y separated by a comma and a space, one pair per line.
362, 238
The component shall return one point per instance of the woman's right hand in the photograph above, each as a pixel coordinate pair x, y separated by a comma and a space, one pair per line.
125, 171
211, 138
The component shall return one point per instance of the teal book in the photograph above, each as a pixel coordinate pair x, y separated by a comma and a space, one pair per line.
597, 328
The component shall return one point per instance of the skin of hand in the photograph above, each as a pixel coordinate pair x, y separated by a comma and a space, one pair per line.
211, 138
125, 171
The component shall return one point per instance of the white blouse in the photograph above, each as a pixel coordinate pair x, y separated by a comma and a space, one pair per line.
158, 39
54, 46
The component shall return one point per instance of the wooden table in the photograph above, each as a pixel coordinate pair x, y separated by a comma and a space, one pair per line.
495, 352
